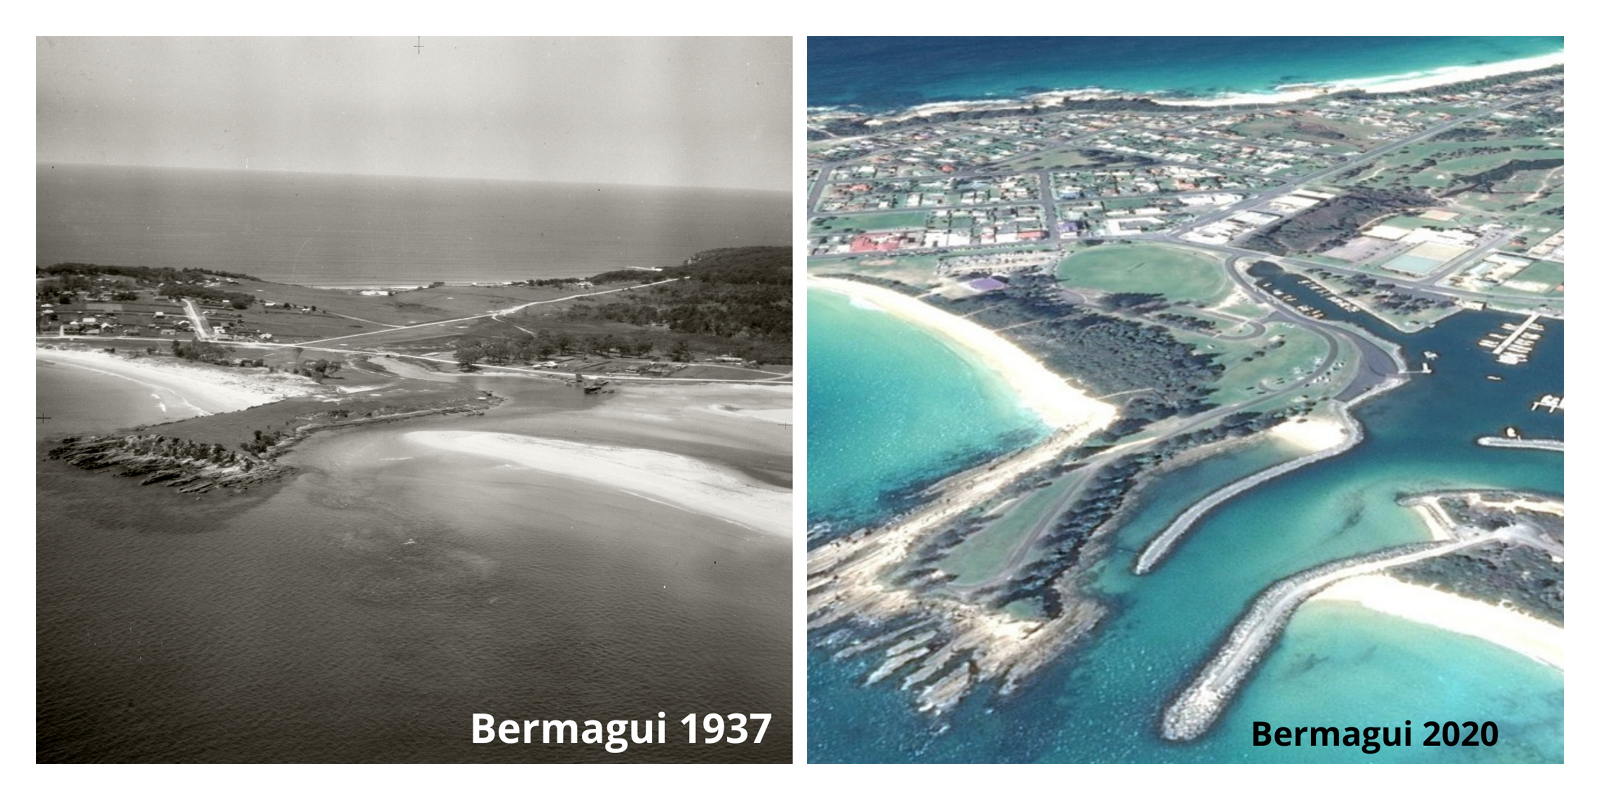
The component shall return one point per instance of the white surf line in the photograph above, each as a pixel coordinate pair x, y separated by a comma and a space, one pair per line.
156, 387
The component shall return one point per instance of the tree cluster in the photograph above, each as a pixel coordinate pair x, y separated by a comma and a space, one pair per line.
209, 352
238, 300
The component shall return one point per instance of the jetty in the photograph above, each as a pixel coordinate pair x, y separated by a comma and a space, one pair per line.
1523, 444
1158, 547
1199, 705
1515, 346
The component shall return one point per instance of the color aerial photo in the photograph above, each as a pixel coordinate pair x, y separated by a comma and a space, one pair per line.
414, 399
1185, 399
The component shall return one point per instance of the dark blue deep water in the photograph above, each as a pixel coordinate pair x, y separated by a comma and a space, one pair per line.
894, 72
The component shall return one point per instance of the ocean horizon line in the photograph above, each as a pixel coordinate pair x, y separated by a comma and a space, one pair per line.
1412, 80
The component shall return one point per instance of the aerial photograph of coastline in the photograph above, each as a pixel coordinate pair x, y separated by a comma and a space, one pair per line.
1185, 399
414, 399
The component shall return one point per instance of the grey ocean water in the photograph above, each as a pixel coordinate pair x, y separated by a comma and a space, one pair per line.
369, 607
357, 230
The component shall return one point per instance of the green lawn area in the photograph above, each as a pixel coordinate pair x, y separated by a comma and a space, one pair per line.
1174, 272
1243, 379
899, 220
1061, 159
1545, 272
981, 556
1411, 223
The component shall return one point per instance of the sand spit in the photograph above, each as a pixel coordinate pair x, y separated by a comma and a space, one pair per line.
1058, 403
206, 389
679, 481
1531, 637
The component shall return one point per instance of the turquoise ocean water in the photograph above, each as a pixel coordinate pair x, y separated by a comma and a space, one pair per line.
902, 410
894, 72
1334, 665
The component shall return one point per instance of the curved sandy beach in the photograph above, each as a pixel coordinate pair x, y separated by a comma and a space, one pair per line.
679, 481
1534, 638
1309, 434
1387, 84
1057, 402
205, 390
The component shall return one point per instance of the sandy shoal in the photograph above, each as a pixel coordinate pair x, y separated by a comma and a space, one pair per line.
782, 416
211, 391
1057, 402
1309, 435
679, 481
1534, 638
1389, 84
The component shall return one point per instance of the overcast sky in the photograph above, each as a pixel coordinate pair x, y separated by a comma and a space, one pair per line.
710, 112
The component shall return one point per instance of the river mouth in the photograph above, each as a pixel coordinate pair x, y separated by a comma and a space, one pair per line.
1164, 625
364, 608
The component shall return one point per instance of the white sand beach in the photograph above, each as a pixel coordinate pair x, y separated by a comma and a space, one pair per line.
1309, 434
1388, 84
205, 389
679, 481
1534, 638
1057, 402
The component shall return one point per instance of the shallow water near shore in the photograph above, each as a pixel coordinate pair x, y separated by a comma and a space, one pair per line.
1334, 666
898, 411
366, 609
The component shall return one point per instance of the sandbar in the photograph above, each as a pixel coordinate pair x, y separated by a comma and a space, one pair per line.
782, 416
206, 390
1531, 637
1058, 403
679, 481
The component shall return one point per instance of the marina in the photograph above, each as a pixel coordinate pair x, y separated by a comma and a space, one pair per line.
1516, 345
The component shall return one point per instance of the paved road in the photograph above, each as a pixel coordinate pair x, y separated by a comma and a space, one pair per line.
202, 326
510, 310
1371, 363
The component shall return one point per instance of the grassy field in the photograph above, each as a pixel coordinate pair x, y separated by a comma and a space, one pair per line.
1545, 272
982, 555
1357, 137
900, 220
1451, 159
1247, 375
1061, 159
1178, 274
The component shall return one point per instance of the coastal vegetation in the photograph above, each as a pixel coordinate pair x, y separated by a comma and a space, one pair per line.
1332, 222
731, 301
239, 450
